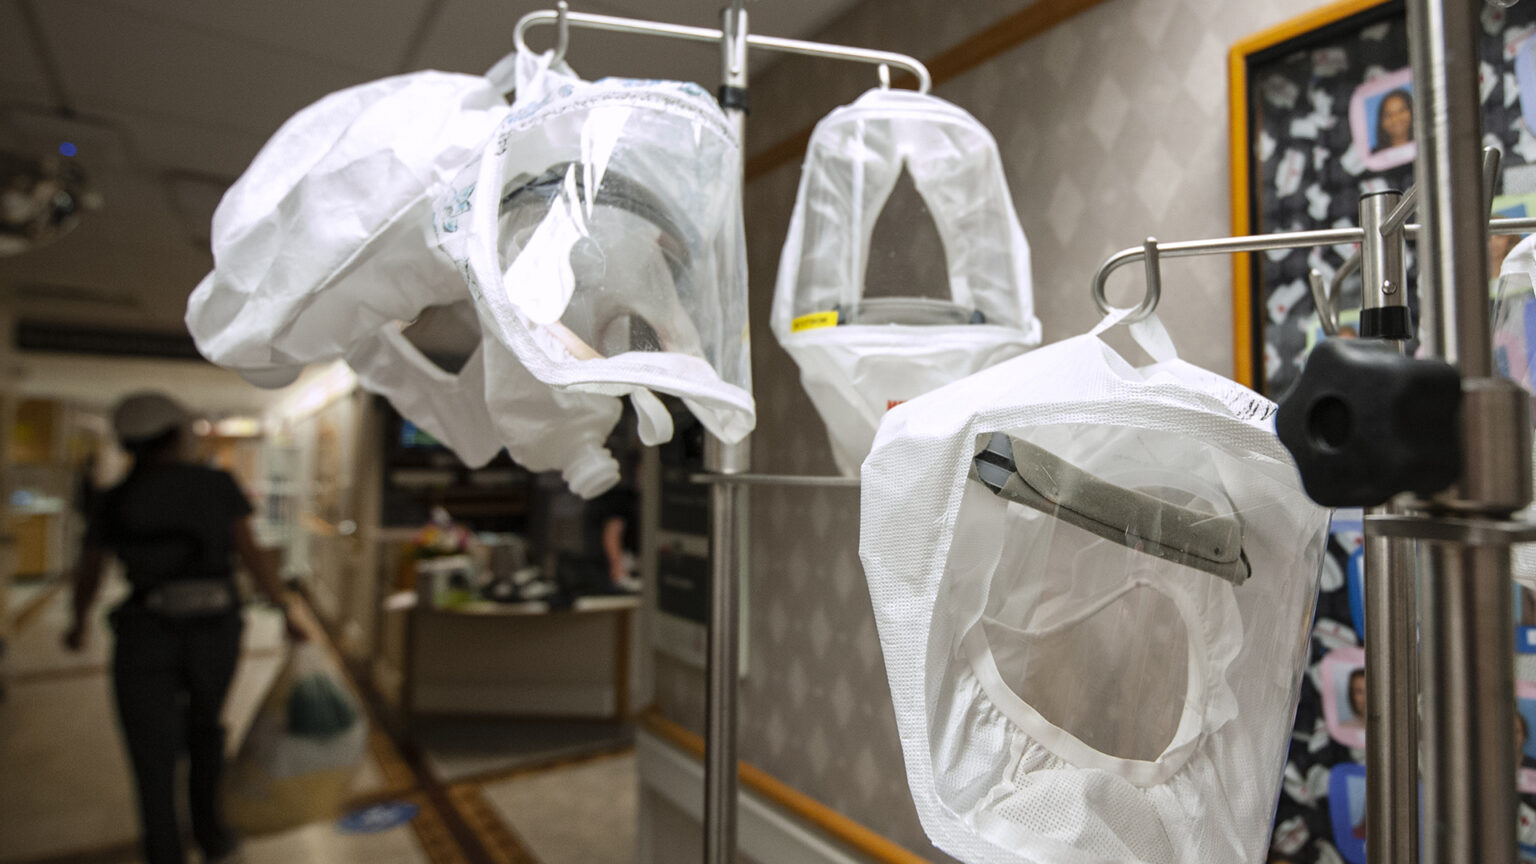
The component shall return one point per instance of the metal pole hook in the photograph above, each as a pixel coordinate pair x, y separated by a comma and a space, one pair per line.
1336, 287
1327, 316
1152, 263
562, 30
1150, 254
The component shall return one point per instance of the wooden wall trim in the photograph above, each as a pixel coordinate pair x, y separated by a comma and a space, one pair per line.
865, 841
1021, 26
1242, 273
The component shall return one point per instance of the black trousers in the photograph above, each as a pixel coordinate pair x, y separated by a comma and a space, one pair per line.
170, 679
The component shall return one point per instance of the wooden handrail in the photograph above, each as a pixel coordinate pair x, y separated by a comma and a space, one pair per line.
834, 824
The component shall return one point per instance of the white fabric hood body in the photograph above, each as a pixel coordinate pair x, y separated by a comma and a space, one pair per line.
451, 406
1521, 259
327, 237
854, 372
525, 285
542, 429
993, 779
549, 429
301, 278
324, 247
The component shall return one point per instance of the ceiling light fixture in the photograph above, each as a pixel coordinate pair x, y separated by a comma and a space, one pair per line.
41, 198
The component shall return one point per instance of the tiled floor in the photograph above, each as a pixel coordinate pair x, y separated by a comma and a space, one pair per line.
459, 750
66, 796
583, 814
59, 735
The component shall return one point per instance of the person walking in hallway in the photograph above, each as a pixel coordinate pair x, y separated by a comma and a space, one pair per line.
176, 527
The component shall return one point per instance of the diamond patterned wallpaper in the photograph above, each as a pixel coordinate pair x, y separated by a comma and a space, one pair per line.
1113, 126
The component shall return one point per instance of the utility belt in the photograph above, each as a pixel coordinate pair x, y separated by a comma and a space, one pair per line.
181, 599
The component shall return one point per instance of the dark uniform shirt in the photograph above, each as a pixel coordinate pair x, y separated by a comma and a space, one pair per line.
170, 521
617, 503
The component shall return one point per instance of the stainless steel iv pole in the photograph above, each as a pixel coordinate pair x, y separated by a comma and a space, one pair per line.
1391, 608
726, 465
1468, 645
1465, 647
727, 539
1468, 662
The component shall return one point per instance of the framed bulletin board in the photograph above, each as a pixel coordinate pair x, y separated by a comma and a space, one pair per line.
1322, 112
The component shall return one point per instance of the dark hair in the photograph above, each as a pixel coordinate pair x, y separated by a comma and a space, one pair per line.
1381, 110
1350, 695
162, 443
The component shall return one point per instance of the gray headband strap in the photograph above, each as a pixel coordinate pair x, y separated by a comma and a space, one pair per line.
1035, 477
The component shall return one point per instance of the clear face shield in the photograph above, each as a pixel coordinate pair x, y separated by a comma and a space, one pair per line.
621, 263
625, 261
904, 267
1094, 585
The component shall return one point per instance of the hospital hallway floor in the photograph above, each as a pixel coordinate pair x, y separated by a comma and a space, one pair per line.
465, 792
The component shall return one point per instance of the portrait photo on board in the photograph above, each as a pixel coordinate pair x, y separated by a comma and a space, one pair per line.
1381, 120
1343, 690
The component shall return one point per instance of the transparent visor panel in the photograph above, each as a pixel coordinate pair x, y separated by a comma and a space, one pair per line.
638, 247
906, 277
1089, 611
872, 250
1115, 575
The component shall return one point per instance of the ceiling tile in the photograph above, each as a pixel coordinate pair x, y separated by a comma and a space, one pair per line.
136, 209
21, 74
112, 57
793, 19
367, 35
158, 279
170, 143
470, 35
194, 198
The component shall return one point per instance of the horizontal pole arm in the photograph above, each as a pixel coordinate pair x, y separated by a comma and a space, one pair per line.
709, 34
1261, 243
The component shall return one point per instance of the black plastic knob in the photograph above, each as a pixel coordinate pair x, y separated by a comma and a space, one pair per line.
1365, 423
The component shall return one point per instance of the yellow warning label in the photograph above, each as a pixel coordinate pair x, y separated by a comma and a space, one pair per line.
814, 321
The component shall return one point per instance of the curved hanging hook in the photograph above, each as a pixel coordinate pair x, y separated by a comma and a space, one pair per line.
563, 29
1152, 263
1151, 257
1327, 316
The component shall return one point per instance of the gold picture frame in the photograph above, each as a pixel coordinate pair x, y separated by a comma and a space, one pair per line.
1247, 60
1321, 114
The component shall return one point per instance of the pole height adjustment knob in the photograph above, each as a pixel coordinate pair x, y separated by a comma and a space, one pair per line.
1364, 423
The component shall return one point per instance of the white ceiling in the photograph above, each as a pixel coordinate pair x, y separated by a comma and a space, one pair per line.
173, 98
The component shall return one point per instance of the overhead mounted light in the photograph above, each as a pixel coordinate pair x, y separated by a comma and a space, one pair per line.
41, 199
238, 427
